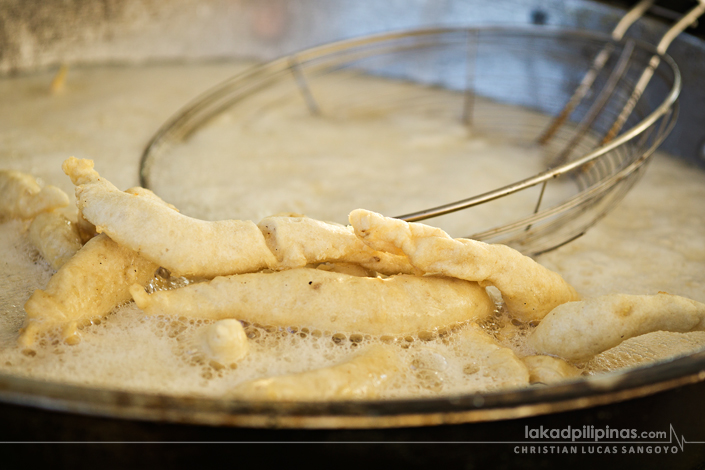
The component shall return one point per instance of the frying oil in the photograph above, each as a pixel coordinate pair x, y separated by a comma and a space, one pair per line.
651, 242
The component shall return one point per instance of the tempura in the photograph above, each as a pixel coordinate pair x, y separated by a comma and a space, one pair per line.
549, 369
56, 237
579, 330
482, 355
184, 246
21, 196
297, 241
361, 377
89, 285
528, 289
326, 300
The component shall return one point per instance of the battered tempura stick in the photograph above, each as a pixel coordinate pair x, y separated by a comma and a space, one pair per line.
55, 237
21, 196
529, 290
549, 369
361, 377
184, 246
297, 241
89, 285
325, 300
579, 330
87, 230
483, 355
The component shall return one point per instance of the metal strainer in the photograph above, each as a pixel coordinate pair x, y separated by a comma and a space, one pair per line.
501, 83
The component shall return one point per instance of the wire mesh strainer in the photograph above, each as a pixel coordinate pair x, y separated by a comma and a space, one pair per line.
498, 84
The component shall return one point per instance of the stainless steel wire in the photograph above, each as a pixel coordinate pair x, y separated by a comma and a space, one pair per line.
586, 79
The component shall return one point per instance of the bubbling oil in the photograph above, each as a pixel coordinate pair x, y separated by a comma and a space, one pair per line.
653, 241
132, 351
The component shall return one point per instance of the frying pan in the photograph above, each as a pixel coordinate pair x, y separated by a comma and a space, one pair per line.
475, 431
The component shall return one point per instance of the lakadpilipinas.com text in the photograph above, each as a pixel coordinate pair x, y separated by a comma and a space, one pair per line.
599, 440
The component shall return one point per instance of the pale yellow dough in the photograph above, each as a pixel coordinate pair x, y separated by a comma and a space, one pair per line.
21, 197
326, 300
579, 330
225, 341
297, 241
184, 246
528, 289
549, 369
56, 237
87, 230
361, 377
89, 285
482, 354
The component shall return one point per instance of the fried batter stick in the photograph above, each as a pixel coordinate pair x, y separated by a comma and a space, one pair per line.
88, 286
183, 245
549, 369
325, 300
56, 237
485, 356
21, 196
579, 330
298, 240
95, 281
87, 230
529, 290
361, 377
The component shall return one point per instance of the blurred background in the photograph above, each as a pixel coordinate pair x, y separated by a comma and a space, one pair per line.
37, 34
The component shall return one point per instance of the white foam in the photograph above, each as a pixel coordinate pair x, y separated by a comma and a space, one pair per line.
653, 241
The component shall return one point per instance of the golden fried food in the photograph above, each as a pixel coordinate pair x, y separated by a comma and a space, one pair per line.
87, 230
528, 289
89, 285
549, 369
298, 240
184, 246
325, 300
56, 237
481, 354
579, 330
225, 341
21, 197
361, 377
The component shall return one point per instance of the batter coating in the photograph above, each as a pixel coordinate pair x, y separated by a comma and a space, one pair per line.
183, 245
483, 355
528, 289
56, 237
298, 240
21, 197
361, 377
89, 285
549, 369
579, 330
325, 300
225, 341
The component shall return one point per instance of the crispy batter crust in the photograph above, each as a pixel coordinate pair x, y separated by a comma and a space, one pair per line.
21, 197
529, 290
361, 377
579, 330
326, 300
56, 237
89, 285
